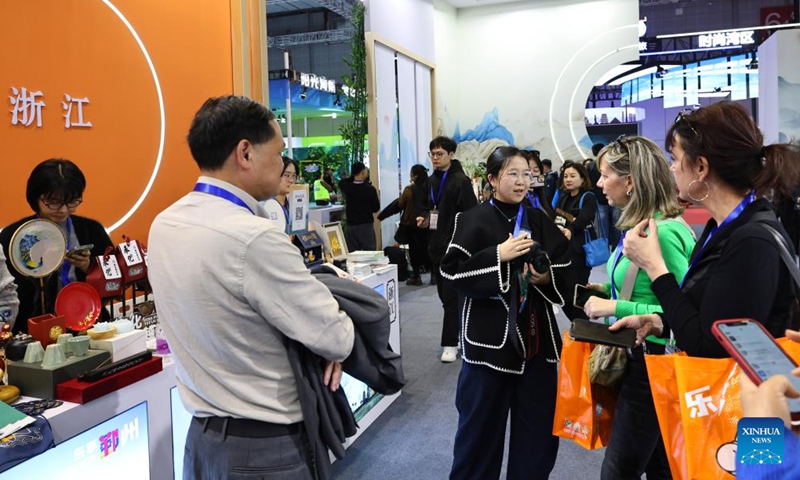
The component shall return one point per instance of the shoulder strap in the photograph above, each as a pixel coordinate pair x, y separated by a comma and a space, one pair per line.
580, 203
785, 255
682, 221
630, 279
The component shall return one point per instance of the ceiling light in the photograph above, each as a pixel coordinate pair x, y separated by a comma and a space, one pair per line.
753, 65
337, 102
661, 71
303, 94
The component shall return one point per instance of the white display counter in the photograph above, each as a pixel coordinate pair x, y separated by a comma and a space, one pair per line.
165, 420
326, 214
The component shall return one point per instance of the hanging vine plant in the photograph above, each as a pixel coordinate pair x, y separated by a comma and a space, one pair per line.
355, 131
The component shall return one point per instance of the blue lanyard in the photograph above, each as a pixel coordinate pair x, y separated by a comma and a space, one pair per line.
534, 200
519, 217
617, 258
441, 189
222, 193
66, 265
750, 198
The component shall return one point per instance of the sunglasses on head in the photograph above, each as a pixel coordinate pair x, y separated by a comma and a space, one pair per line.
621, 142
683, 117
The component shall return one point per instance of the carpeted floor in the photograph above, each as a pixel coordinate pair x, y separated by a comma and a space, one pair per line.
413, 439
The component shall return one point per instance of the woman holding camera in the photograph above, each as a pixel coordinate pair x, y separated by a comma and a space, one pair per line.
635, 176
736, 270
507, 261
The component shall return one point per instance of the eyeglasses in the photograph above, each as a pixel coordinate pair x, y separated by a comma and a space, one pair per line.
515, 175
683, 118
289, 176
56, 205
437, 154
621, 142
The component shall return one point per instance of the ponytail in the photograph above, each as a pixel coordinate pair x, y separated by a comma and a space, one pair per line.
780, 170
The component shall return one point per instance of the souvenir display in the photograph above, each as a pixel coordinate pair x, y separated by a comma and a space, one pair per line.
80, 304
37, 248
54, 356
102, 331
34, 353
79, 345
15, 348
46, 328
131, 259
310, 245
105, 275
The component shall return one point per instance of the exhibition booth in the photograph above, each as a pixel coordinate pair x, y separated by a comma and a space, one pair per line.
120, 107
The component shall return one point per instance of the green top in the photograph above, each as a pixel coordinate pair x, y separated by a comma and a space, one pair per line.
677, 244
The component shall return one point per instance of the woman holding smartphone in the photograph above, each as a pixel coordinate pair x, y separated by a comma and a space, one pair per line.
54, 192
736, 271
635, 176
509, 335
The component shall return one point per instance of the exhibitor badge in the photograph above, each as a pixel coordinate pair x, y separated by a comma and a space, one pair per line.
760, 441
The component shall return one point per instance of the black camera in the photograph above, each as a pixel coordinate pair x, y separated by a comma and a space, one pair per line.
537, 258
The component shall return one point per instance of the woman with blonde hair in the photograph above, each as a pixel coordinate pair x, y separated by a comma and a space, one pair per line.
635, 176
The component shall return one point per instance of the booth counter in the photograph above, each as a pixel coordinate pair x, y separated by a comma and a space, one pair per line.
143, 426
325, 214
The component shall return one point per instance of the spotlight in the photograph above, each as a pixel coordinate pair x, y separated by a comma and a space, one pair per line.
753, 65
717, 89
337, 102
661, 71
303, 94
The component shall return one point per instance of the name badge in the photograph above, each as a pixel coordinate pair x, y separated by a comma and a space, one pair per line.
433, 220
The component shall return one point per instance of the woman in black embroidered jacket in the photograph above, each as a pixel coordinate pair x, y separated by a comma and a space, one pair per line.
509, 335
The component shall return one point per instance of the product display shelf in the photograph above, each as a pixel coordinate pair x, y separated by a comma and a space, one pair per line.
71, 419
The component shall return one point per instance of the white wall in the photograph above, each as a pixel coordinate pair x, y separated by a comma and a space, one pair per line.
779, 87
407, 23
522, 71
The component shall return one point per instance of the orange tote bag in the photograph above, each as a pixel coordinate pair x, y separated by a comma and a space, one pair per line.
584, 412
698, 406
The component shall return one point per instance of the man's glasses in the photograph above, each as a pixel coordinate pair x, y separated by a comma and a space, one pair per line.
620, 141
683, 117
56, 205
437, 154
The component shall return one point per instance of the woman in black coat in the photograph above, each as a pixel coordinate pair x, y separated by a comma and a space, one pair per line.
509, 336
54, 192
736, 270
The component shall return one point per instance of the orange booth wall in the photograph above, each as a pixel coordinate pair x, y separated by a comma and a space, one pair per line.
91, 95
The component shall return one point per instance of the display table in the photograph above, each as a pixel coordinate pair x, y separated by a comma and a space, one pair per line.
142, 427
325, 214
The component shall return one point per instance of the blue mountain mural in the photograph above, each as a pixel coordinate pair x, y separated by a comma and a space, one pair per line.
490, 127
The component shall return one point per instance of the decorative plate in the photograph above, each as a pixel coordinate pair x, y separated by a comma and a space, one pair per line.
80, 305
38, 248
